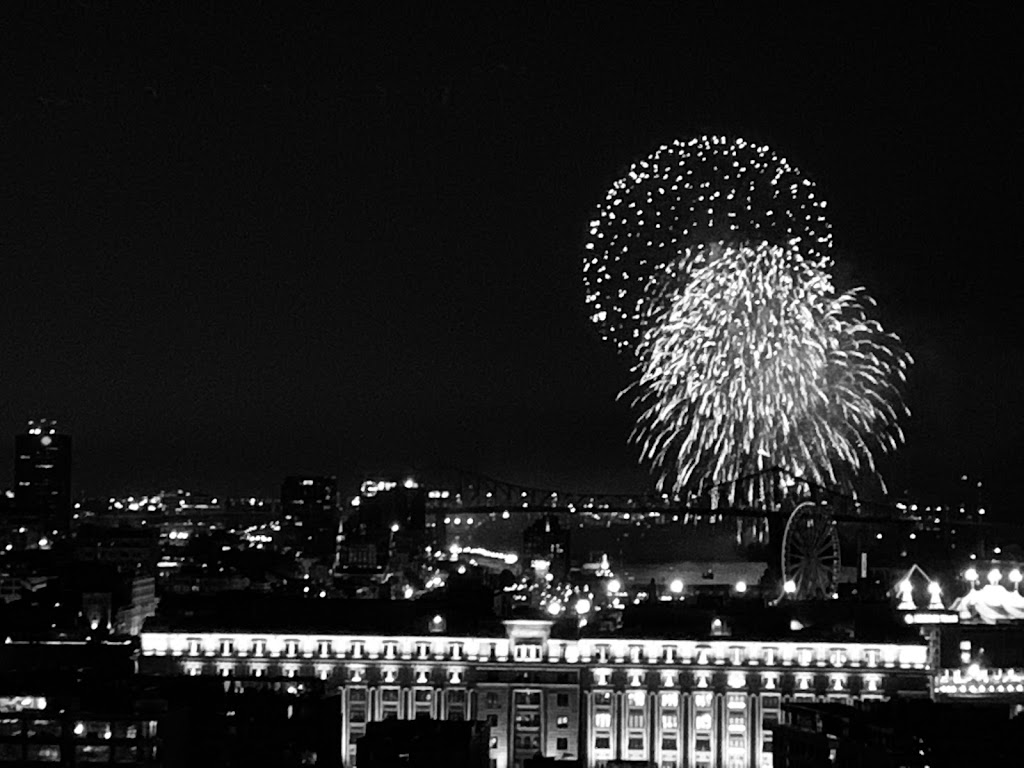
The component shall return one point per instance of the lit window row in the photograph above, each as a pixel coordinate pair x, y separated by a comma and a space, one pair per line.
586, 651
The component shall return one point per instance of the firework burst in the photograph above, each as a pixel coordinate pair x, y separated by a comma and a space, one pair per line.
756, 362
681, 199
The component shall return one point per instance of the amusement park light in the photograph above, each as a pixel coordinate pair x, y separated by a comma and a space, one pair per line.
994, 576
554, 607
1015, 576
614, 586
676, 587
582, 606
741, 587
974, 670
934, 588
971, 574
789, 587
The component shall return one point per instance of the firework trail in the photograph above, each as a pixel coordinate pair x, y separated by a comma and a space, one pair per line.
756, 362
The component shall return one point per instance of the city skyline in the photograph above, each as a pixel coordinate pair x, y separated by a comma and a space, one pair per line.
325, 253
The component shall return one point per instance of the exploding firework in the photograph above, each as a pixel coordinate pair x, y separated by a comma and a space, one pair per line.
758, 363
682, 199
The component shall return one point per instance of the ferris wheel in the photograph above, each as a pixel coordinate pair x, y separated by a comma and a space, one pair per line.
810, 553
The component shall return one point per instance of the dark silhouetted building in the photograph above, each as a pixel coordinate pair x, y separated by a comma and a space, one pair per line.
310, 506
424, 742
547, 540
42, 477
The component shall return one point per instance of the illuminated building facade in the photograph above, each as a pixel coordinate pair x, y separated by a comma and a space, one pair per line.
311, 506
42, 477
698, 702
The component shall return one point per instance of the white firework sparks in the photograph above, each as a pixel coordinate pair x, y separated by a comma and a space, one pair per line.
681, 199
756, 362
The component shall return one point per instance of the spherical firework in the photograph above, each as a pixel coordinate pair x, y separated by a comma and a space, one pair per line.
757, 363
684, 198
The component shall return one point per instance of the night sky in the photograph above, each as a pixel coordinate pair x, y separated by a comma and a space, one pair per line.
241, 245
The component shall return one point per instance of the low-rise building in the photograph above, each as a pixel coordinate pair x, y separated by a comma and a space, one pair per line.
698, 690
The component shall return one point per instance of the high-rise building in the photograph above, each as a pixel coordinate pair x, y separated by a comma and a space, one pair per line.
42, 477
310, 506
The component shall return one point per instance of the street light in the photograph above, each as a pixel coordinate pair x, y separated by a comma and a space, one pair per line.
971, 575
789, 587
614, 586
741, 587
582, 606
676, 587
1015, 578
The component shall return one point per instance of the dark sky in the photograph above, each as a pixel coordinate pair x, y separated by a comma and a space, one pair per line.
240, 245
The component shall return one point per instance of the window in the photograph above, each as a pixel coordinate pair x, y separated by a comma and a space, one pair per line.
227, 647
422, 650
635, 653
669, 721
636, 719
126, 754
603, 742
194, 646
737, 721
291, 647
10, 726
422, 695
10, 752
562, 721
357, 694
561, 744
357, 649
702, 744
490, 700
456, 650
527, 698
770, 702
635, 741
602, 719
528, 652
528, 719
670, 699
457, 696
492, 721
259, 647
92, 753
323, 648
603, 697
493, 743
357, 714
389, 694
42, 753
736, 741
527, 741
702, 722
702, 700
562, 700
669, 743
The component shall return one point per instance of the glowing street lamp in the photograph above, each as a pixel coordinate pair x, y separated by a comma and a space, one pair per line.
994, 576
676, 587
1015, 578
971, 575
582, 606
741, 587
554, 607
935, 593
789, 587
614, 586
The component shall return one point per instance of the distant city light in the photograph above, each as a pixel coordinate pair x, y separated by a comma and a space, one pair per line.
789, 587
994, 576
582, 606
394, 527
676, 587
614, 586
554, 607
971, 575
505, 515
741, 587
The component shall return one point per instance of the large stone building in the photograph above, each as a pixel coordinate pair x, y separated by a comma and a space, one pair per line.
697, 689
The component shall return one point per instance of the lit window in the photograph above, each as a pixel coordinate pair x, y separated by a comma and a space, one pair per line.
703, 722
562, 721
602, 719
